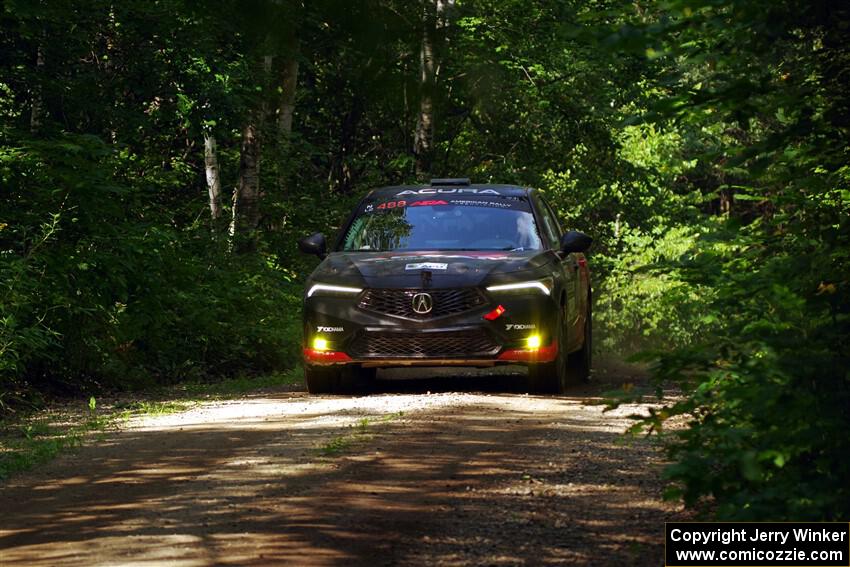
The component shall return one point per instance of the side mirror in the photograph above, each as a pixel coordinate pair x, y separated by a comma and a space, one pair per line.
575, 241
314, 244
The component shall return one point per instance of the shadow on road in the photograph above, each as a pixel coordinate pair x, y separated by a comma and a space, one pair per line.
609, 374
491, 479
506, 379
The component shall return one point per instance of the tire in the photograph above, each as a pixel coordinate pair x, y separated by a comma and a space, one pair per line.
357, 380
322, 380
551, 377
580, 362
335, 380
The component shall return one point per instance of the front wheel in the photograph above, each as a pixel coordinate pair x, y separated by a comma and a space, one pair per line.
335, 380
322, 380
579, 362
551, 377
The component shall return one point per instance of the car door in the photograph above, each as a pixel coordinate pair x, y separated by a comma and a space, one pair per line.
574, 278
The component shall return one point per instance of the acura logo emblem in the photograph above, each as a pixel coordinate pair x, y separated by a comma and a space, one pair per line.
422, 303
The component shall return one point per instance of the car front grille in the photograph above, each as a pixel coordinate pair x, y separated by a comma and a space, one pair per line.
399, 302
454, 344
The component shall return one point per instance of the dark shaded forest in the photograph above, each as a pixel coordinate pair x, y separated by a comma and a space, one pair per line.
159, 160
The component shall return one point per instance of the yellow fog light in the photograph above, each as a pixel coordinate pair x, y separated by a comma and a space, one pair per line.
533, 341
320, 344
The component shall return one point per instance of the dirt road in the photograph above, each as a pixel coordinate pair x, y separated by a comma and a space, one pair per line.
457, 470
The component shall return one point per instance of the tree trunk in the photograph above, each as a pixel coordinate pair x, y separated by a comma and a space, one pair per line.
341, 177
727, 198
268, 61
288, 84
246, 198
434, 21
110, 34
213, 177
247, 194
423, 137
37, 103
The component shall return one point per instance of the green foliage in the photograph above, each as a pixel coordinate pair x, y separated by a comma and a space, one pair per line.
767, 384
643, 304
362, 430
101, 294
768, 395
241, 384
38, 440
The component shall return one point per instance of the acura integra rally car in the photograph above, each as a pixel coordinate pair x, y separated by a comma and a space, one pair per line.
450, 273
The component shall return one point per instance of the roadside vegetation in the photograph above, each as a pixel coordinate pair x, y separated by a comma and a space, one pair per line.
158, 161
361, 431
31, 437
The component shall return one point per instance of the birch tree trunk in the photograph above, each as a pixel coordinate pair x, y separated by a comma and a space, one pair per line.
213, 177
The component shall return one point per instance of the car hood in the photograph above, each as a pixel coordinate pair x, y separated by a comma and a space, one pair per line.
405, 269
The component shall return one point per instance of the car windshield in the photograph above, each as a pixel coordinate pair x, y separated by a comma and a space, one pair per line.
438, 223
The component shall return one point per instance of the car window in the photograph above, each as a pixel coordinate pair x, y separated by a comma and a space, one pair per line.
443, 223
550, 224
557, 223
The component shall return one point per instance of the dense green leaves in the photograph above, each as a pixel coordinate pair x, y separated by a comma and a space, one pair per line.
752, 87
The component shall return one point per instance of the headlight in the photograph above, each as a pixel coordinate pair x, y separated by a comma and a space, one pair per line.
544, 286
327, 288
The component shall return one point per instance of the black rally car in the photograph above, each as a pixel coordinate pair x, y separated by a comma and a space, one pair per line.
450, 273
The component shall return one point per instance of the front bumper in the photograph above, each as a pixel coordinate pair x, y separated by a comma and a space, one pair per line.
351, 334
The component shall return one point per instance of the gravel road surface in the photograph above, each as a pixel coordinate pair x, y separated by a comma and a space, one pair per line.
461, 468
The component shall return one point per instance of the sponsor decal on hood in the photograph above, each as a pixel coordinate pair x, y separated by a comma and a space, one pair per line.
426, 266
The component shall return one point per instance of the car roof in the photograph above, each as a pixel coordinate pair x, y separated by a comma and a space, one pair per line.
502, 190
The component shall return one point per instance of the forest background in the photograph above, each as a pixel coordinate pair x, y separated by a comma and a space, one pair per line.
159, 160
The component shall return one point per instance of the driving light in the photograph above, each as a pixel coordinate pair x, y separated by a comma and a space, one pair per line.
533, 341
320, 344
544, 286
319, 287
